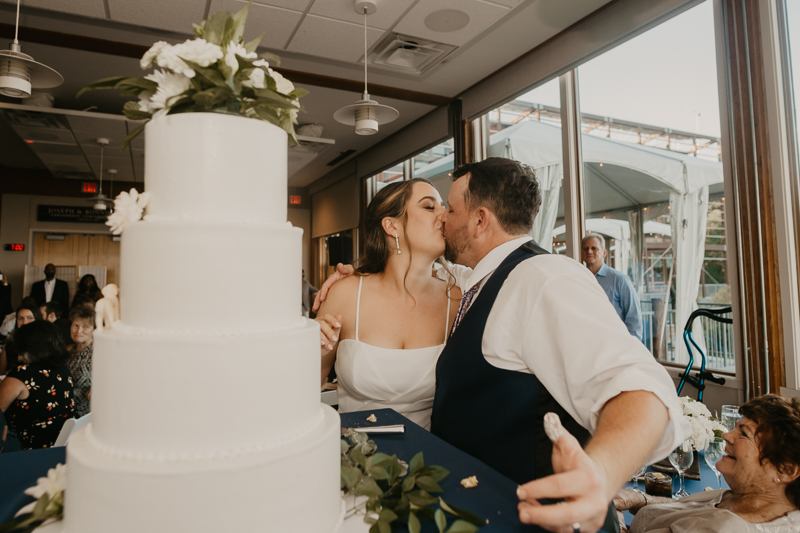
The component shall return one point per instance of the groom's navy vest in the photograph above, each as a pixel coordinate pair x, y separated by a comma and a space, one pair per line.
493, 414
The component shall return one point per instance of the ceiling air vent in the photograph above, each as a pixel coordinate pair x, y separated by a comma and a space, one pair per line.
408, 54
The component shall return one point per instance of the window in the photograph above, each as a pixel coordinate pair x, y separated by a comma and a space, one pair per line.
653, 180
436, 165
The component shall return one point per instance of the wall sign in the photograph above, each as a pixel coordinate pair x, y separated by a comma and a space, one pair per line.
89, 187
71, 213
15, 247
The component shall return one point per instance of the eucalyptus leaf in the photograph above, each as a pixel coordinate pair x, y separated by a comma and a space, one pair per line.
106, 83
441, 520
132, 111
462, 513
40, 509
208, 76
351, 476
438, 473
429, 484
270, 116
229, 31
344, 446
368, 487
413, 523
271, 58
462, 526
252, 46
416, 463
211, 98
383, 526
140, 83
132, 135
215, 27
356, 454
379, 473
388, 515
421, 498
299, 93
275, 99
239, 20
408, 483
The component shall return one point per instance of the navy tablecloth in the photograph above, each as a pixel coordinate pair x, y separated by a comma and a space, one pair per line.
20, 470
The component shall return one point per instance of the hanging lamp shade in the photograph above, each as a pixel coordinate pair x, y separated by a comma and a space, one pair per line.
366, 114
19, 73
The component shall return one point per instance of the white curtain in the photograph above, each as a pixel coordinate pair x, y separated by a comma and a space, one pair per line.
549, 178
689, 212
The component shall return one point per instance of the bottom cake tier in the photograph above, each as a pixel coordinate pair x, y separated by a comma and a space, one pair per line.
291, 487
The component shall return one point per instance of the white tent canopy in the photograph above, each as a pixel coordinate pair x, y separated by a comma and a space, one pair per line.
618, 176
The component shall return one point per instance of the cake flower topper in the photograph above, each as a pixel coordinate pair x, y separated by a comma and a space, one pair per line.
49, 504
215, 72
128, 208
704, 427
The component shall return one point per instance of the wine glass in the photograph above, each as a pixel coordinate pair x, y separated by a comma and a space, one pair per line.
681, 459
714, 450
636, 477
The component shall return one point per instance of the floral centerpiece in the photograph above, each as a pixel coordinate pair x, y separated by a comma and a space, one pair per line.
704, 426
215, 72
48, 507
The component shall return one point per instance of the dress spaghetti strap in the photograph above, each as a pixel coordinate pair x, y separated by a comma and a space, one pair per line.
358, 302
447, 318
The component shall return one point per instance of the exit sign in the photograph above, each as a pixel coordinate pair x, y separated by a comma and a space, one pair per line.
89, 187
295, 199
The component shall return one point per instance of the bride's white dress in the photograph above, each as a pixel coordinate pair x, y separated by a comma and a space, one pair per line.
371, 377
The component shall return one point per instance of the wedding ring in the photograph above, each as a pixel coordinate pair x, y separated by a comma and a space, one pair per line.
576, 528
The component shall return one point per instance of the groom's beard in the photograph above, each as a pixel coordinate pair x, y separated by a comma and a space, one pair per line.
455, 246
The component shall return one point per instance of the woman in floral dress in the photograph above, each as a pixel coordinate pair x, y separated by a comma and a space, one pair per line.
36, 397
82, 320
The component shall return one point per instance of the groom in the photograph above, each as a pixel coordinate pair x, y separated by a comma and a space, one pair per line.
536, 334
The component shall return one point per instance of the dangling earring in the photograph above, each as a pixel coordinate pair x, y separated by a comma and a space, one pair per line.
397, 242
777, 480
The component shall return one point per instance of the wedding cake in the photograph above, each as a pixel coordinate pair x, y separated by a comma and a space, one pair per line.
205, 395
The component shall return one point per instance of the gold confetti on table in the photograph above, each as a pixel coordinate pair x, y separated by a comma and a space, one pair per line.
470, 482
372, 418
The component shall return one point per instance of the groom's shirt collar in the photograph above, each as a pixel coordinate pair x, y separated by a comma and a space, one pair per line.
492, 260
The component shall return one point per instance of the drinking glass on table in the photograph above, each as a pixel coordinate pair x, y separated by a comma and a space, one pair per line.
681, 459
636, 477
714, 450
730, 415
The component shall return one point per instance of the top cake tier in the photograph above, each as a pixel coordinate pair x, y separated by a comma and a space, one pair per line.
215, 167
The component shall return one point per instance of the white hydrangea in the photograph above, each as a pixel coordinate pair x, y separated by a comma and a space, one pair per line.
128, 208
235, 49
152, 54
703, 426
52, 485
197, 50
284, 86
258, 79
169, 86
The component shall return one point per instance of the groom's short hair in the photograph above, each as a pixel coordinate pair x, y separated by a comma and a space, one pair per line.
507, 188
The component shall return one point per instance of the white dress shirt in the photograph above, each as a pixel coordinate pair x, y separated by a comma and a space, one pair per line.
49, 287
552, 319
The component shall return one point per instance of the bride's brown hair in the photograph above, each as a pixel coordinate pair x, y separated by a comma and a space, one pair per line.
391, 201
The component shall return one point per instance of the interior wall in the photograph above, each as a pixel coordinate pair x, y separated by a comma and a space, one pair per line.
18, 224
336, 208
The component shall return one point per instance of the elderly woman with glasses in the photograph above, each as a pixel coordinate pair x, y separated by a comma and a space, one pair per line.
82, 324
762, 468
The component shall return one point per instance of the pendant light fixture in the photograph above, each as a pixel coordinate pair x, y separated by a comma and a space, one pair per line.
366, 114
101, 201
19, 73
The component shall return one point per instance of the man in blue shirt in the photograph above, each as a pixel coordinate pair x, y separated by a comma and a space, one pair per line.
617, 286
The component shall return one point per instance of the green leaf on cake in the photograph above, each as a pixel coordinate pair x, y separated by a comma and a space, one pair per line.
239, 20
132, 135
132, 111
215, 27
252, 46
429, 484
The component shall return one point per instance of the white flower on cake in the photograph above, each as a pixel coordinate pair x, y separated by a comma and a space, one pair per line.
53, 486
704, 426
128, 208
169, 86
215, 72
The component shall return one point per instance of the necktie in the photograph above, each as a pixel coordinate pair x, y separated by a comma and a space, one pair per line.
466, 298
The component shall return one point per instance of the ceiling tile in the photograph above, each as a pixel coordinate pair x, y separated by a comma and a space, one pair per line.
277, 24
481, 16
88, 8
386, 15
333, 39
172, 16
296, 5
507, 3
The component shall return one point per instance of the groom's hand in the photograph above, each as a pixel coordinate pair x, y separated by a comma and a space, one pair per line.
342, 271
578, 479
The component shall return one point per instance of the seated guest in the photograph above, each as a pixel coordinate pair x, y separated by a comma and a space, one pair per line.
28, 312
36, 396
10, 321
83, 300
82, 324
762, 468
87, 288
52, 312
5, 296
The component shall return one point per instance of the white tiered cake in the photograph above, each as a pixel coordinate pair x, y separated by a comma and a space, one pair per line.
205, 397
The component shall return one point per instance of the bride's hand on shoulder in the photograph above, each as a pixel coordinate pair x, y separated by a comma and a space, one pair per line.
329, 329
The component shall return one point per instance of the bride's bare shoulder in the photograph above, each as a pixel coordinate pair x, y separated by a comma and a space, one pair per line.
343, 290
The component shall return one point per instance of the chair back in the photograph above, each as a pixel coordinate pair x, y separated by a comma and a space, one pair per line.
71, 426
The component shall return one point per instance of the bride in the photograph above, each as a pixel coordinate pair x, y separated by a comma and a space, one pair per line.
385, 327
